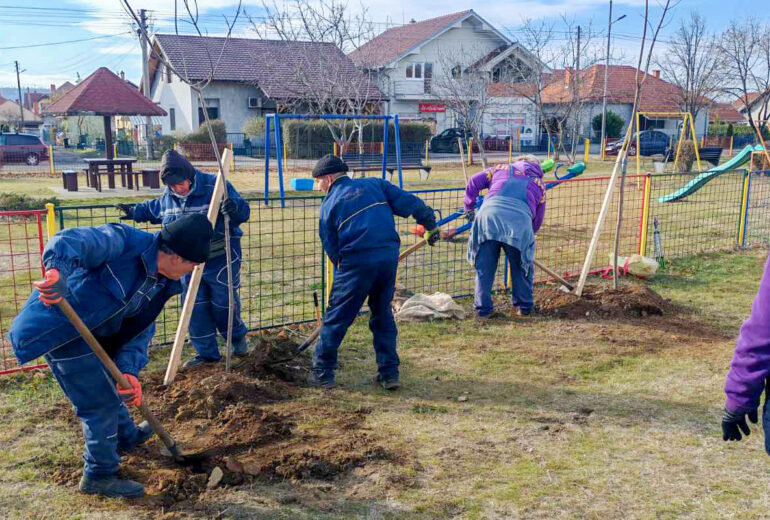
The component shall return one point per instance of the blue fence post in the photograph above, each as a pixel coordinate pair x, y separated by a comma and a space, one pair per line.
267, 158
279, 157
385, 131
398, 151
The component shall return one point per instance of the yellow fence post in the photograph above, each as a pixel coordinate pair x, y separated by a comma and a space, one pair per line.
510, 151
382, 148
114, 149
232, 157
602, 144
645, 214
50, 159
731, 146
176, 148
588, 150
336, 150
329, 278
284, 153
50, 219
744, 210
470, 151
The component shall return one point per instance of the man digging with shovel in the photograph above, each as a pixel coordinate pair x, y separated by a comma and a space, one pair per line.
359, 235
117, 278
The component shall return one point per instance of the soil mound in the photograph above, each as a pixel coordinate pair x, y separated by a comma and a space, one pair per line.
629, 301
251, 425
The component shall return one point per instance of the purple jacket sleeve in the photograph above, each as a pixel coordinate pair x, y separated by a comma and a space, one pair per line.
476, 184
751, 361
536, 200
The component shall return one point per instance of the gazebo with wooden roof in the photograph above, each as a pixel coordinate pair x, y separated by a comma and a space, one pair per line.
106, 94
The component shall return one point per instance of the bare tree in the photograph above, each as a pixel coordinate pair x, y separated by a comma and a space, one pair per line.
745, 49
198, 86
339, 88
692, 63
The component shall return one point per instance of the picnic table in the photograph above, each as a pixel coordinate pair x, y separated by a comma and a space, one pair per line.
100, 165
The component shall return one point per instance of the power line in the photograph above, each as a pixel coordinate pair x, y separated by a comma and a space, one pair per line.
60, 43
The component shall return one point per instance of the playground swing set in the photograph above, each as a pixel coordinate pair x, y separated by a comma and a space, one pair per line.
687, 124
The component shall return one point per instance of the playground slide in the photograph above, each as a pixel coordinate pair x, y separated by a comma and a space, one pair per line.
699, 181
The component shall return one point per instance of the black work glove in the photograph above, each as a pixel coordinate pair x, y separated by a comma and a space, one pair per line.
733, 423
228, 207
432, 235
127, 210
470, 215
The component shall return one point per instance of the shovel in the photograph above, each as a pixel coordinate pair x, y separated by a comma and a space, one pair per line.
170, 444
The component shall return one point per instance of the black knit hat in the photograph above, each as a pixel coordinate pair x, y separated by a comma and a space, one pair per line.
328, 165
189, 236
175, 168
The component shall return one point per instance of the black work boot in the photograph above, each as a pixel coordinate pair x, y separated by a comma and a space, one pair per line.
388, 383
111, 486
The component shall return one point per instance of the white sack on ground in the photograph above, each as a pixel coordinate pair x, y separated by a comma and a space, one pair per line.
427, 307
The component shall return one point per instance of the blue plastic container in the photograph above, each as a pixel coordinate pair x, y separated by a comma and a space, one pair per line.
302, 184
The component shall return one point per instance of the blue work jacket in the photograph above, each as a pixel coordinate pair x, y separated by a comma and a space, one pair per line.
170, 206
357, 221
104, 266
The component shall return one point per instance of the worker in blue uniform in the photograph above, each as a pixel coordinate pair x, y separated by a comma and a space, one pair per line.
189, 191
359, 235
117, 278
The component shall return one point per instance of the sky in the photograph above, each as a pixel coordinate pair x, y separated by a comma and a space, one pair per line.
56, 40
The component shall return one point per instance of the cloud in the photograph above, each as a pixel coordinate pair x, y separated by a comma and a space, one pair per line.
9, 78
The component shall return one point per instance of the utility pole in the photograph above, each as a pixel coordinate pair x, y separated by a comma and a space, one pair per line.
606, 73
21, 102
576, 95
146, 80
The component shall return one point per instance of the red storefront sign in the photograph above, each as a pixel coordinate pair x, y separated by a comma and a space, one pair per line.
432, 107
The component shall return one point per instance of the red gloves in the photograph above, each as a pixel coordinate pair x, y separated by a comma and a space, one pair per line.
131, 395
52, 288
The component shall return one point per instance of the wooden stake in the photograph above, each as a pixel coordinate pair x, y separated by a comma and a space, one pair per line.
195, 279
462, 159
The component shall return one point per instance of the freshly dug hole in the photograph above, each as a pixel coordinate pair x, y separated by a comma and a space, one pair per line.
629, 301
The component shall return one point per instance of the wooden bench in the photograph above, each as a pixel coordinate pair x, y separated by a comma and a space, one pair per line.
365, 162
711, 154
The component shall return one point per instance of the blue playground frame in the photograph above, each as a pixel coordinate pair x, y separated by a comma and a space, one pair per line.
279, 144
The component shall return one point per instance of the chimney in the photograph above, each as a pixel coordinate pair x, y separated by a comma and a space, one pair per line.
53, 88
122, 75
412, 21
656, 73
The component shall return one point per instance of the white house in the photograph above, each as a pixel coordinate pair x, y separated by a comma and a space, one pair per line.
408, 60
511, 112
251, 78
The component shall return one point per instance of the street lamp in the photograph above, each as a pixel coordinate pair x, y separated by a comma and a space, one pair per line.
606, 72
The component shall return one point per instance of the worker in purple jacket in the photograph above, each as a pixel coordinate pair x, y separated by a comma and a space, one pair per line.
749, 369
512, 213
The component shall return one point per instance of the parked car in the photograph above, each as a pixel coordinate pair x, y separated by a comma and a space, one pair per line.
22, 148
446, 141
651, 142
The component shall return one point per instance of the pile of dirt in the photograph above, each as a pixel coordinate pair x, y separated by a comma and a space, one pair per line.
629, 301
250, 424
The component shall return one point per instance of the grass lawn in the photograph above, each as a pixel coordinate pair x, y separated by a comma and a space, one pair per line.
540, 418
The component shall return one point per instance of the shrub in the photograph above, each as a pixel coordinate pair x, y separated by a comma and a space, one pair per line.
254, 126
14, 201
613, 126
163, 143
201, 135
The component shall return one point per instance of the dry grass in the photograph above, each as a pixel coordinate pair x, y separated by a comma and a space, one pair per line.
563, 419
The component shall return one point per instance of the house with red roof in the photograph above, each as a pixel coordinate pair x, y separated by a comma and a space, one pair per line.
412, 61
250, 78
757, 103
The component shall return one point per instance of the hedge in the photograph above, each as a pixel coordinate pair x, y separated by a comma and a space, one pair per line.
312, 139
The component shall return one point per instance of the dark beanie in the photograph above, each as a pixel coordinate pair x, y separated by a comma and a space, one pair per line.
174, 168
189, 236
328, 165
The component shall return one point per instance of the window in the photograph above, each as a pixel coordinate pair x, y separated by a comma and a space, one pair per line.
457, 71
419, 70
212, 108
172, 118
409, 71
428, 70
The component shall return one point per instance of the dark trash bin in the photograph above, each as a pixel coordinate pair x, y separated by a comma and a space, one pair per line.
70, 180
151, 179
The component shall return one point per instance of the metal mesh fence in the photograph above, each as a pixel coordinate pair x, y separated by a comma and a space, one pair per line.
757, 228
21, 245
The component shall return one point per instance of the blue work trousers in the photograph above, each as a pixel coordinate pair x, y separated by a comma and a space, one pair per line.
107, 425
211, 305
353, 284
522, 277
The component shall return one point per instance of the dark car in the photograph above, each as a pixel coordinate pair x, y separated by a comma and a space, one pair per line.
446, 141
22, 148
651, 142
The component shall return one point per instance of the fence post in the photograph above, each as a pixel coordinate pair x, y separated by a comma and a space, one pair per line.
603, 144
510, 151
587, 145
731, 146
176, 148
50, 219
740, 238
114, 149
335, 151
645, 218
232, 157
50, 159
